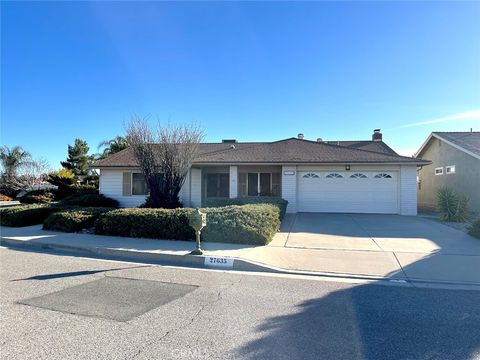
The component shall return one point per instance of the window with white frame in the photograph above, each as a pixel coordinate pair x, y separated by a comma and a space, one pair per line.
139, 185
439, 171
311, 176
450, 169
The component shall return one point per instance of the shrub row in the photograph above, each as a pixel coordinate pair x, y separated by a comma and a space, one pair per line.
73, 220
38, 197
248, 224
34, 214
279, 202
90, 200
26, 215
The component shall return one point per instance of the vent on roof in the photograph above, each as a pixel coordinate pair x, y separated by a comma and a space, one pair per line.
300, 136
229, 141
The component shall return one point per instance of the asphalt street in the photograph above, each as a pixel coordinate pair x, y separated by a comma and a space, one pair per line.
64, 307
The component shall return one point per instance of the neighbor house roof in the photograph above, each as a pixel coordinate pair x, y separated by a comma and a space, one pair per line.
468, 142
376, 146
288, 151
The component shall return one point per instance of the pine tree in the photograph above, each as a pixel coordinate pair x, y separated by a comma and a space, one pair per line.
78, 160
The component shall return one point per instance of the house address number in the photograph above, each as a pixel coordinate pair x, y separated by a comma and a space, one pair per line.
289, 172
220, 262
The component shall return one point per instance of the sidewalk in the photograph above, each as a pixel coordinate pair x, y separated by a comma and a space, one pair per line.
410, 268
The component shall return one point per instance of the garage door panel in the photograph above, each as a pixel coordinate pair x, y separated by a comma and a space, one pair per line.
318, 193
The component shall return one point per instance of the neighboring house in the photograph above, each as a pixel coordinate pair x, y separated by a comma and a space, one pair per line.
314, 176
455, 160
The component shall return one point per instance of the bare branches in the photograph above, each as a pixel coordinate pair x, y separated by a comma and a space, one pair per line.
164, 155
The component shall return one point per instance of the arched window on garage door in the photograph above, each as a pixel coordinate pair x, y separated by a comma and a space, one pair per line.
334, 176
358, 176
382, 176
310, 176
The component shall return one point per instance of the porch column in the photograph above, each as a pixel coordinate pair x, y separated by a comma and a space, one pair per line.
289, 187
233, 193
195, 187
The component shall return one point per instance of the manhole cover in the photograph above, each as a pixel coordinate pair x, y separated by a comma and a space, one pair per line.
111, 297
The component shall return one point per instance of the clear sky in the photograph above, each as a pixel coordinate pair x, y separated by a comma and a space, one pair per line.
254, 71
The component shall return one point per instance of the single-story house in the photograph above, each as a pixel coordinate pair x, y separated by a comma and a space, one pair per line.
314, 176
455, 160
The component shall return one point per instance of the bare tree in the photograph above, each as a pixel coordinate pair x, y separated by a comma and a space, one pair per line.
164, 155
34, 172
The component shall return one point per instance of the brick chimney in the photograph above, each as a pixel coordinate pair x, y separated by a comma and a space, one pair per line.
377, 135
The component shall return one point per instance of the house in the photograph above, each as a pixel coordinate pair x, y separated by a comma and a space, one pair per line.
455, 160
314, 176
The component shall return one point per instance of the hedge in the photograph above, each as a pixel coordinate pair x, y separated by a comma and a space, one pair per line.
90, 200
248, 224
26, 215
38, 197
277, 201
73, 220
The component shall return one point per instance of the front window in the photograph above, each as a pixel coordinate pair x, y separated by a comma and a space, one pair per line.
218, 185
139, 185
259, 184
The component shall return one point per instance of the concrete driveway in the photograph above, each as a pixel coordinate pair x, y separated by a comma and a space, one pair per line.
369, 232
403, 247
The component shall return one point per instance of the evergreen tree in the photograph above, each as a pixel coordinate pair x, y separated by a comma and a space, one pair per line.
78, 160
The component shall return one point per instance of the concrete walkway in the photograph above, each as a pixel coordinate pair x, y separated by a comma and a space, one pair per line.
410, 249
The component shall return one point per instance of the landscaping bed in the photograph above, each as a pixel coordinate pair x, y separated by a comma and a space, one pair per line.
247, 224
276, 201
34, 214
73, 220
26, 215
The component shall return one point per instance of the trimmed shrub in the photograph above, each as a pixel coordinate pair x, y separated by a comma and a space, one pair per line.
451, 205
474, 229
279, 202
73, 220
86, 189
169, 224
254, 224
25, 215
247, 224
38, 197
90, 200
5, 198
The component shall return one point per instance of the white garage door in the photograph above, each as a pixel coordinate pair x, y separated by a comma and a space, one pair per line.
351, 192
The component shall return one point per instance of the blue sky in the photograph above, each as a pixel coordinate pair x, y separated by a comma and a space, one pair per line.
255, 71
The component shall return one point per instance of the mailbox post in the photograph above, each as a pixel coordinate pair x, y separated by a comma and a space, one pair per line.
197, 221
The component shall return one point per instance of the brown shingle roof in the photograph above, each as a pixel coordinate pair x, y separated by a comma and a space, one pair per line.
376, 146
288, 151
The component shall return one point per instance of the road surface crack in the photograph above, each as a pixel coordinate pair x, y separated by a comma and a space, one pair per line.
180, 327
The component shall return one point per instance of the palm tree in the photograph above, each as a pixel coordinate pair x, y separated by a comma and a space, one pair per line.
12, 159
113, 146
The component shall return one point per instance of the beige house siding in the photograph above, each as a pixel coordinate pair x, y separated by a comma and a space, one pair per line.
466, 178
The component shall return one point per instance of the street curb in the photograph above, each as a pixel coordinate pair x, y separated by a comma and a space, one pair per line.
141, 256
195, 261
